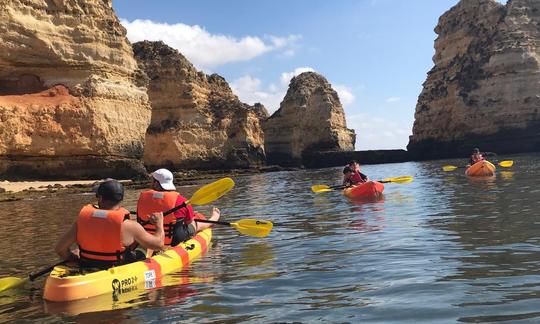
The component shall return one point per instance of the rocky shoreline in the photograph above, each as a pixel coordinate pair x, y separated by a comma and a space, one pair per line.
43, 189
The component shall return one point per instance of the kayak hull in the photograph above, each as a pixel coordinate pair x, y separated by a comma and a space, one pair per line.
67, 284
367, 190
481, 169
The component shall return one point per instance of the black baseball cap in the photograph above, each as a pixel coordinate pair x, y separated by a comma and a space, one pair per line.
111, 190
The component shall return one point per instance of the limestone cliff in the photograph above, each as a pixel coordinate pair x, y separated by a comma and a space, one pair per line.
197, 121
310, 119
484, 88
70, 105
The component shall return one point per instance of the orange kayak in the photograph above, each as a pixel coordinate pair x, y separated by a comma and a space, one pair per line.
481, 169
370, 189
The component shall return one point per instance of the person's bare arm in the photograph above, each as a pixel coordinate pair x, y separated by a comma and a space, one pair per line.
65, 242
133, 231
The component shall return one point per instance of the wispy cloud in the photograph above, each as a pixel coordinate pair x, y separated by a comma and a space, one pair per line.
204, 49
378, 133
393, 99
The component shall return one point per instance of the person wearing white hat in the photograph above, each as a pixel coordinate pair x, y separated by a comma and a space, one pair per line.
179, 226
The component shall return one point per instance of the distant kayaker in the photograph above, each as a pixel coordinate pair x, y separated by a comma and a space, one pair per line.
104, 232
352, 175
476, 156
179, 226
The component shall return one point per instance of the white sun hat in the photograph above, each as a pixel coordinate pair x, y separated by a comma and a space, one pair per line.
165, 179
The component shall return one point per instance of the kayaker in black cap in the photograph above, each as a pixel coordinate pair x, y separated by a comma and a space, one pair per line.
104, 232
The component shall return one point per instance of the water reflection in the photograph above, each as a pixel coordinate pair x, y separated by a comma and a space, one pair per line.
443, 248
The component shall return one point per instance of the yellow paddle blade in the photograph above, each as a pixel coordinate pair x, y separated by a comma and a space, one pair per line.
253, 227
506, 164
211, 192
11, 282
402, 179
320, 188
449, 167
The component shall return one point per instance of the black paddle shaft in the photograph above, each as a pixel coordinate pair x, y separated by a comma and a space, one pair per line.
211, 222
33, 276
170, 211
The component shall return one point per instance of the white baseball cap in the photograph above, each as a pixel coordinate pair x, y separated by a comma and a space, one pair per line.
165, 179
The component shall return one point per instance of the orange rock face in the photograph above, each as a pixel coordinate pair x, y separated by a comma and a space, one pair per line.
70, 102
483, 88
310, 120
197, 121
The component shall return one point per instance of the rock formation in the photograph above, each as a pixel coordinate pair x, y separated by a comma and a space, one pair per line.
69, 102
484, 88
197, 121
310, 119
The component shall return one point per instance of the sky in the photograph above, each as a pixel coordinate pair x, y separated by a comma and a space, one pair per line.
375, 53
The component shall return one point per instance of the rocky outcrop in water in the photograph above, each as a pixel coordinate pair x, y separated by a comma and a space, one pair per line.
197, 121
310, 119
70, 104
483, 90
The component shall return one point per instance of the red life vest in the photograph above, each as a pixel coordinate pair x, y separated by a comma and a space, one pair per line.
476, 158
99, 234
152, 201
356, 177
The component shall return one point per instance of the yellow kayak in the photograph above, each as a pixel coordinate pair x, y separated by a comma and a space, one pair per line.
67, 284
481, 169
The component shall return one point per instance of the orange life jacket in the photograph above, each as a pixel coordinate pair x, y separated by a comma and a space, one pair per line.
99, 234
152, 201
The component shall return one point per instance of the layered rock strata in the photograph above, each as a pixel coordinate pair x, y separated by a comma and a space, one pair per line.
484, 88
310, 119
70, 102
197, 121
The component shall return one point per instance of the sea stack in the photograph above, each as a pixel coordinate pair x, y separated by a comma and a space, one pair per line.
484, 88
197, 121
310, 120
70, 103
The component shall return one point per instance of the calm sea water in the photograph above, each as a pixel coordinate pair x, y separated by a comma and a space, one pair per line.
443, 248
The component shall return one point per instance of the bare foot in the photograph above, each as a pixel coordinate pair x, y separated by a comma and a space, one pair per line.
215, 214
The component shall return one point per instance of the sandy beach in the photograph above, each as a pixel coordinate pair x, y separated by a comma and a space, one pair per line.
18, 186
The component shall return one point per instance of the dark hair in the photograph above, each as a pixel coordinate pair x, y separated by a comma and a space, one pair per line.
476, 150
353, 162
347, 170
111, 190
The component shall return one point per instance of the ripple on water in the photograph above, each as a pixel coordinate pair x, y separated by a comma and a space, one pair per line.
443, 248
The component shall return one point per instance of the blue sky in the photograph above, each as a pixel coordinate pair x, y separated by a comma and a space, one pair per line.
376, 53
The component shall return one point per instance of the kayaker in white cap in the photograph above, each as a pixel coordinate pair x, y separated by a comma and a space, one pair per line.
179, 226
104, 232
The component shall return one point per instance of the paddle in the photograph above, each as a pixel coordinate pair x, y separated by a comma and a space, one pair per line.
504, 164
325, 188
13, 282
250, 227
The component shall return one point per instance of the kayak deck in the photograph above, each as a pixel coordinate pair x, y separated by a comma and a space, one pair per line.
481, 169
66, 284
370, 189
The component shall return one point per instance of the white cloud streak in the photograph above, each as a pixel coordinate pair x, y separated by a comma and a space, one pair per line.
393, 99
206, 50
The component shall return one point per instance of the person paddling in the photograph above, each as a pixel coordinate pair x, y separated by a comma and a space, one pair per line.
179, 226
352, 175
476, 156
104, 232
